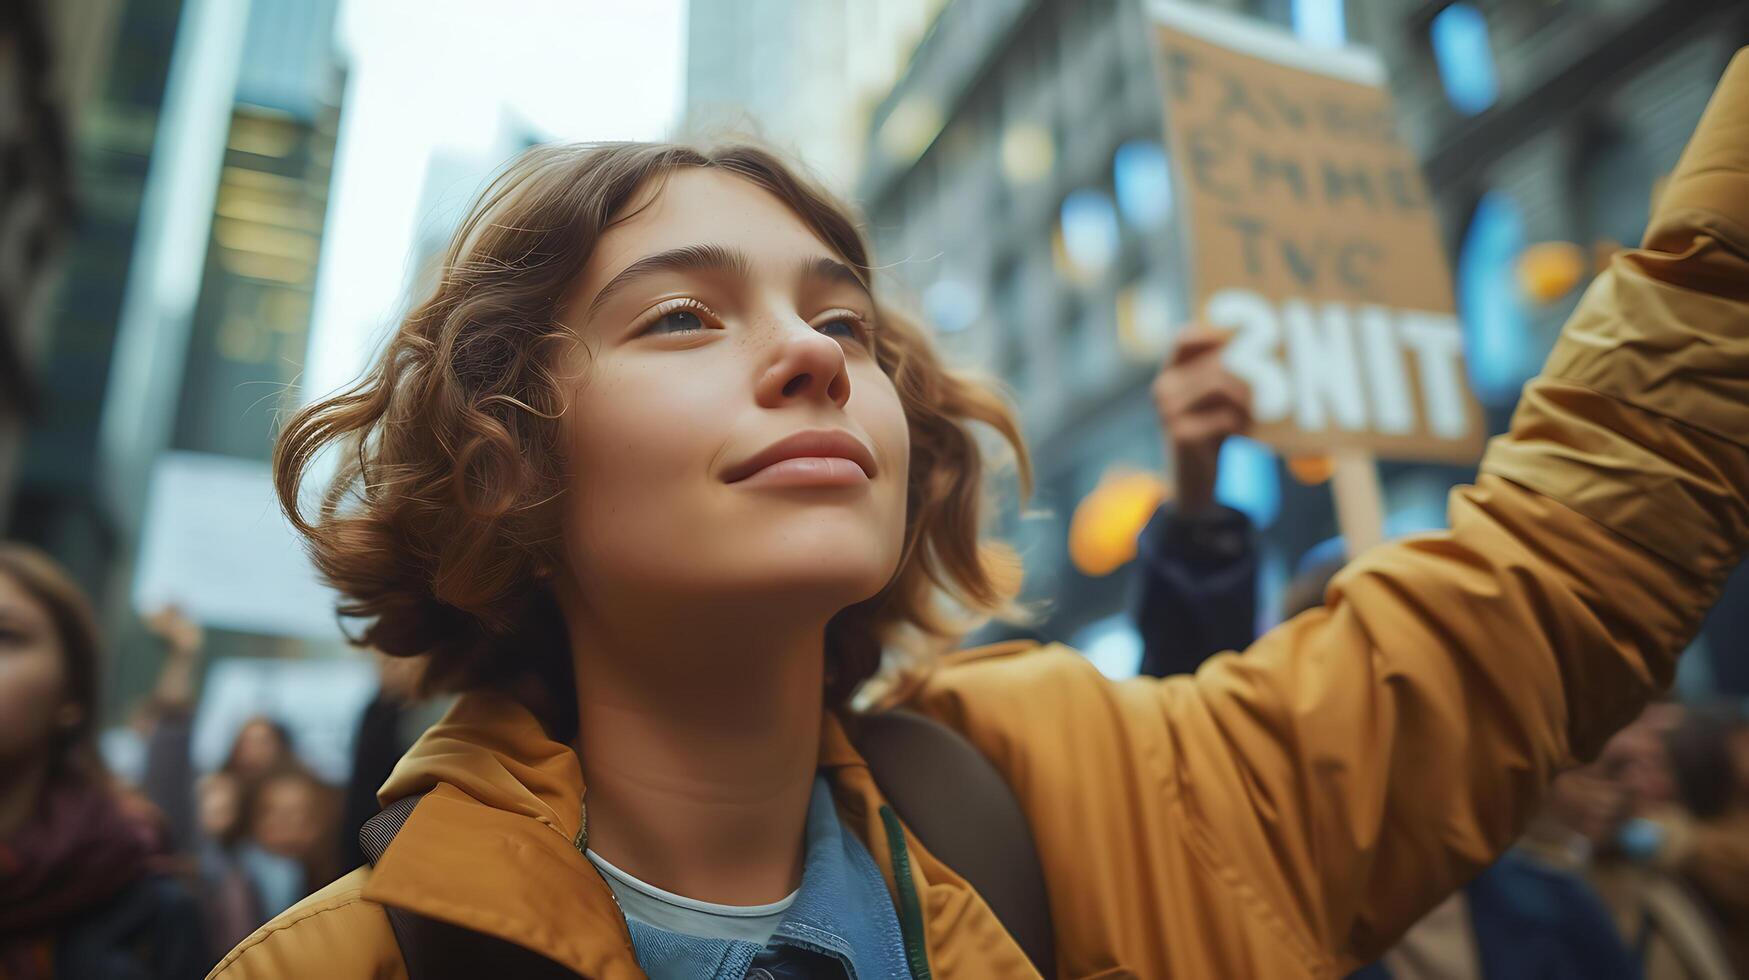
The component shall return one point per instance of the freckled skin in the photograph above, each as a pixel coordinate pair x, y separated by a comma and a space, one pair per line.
656, 417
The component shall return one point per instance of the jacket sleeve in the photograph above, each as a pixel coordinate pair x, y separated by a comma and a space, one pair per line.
1386, 747
1195, 589
1360, 762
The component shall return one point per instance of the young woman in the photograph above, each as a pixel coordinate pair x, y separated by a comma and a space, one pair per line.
655, 477
79, 896
262, 745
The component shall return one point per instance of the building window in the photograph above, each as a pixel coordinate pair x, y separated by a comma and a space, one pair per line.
1144, 320
951, 304
1085, 330
1614, 187
1144, 183
1496, 328
1113, 645
1249, 481
1320, 22
1087, 227
1465, 58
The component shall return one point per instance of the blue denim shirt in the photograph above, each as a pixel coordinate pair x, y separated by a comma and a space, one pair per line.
842, 911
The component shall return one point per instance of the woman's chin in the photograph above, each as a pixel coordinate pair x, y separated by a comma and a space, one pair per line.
828, 583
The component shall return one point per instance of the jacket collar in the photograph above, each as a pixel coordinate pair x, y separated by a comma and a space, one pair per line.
489, 847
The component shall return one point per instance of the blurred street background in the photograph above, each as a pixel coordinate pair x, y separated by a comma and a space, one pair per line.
212, 211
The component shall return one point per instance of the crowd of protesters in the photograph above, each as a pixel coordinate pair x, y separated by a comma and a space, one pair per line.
156, 877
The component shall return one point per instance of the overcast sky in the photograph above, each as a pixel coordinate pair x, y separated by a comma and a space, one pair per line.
443, 76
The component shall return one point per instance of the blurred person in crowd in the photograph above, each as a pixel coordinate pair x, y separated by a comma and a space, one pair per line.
123, 746
1519, 918
82, 893
1700, 832
1195, 588
288, 845
168, 713
1196, 560
262, 746
1589, 828
256, 826
228, 895
1703, 747
653, 478
376, 746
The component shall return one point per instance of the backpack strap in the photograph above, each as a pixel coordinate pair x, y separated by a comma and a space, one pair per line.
945, 790
436, 950
962, 809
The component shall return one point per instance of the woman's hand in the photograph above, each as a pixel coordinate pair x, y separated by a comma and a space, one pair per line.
183, 639
1200, 404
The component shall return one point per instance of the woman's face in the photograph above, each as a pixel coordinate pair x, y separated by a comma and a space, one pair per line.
220, 801
288, 817
731, 435
258, 748
1637, 758
33, 699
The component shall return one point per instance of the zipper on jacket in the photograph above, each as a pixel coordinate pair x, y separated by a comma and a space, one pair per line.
910, 909
581, 840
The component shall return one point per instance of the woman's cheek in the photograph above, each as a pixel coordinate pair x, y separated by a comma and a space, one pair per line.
30, 693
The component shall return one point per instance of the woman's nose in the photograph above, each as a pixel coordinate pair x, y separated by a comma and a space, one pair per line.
806, 364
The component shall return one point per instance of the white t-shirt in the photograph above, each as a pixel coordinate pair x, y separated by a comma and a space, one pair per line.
654, 906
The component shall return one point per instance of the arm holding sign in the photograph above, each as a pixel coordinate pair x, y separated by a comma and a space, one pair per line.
1196, 569
1306, 802
1408, 730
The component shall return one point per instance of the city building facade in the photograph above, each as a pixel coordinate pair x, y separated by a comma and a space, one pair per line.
203, 158
1019, 194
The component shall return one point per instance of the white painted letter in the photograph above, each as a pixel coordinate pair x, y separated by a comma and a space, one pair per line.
1326, 373
1438, 345
1253, 351
1387, 377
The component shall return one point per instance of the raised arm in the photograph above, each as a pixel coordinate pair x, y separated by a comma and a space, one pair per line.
1319, 793
1388, 746
1195, 591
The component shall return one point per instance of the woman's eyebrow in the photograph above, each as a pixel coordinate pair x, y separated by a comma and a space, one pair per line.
687, 258
832, 270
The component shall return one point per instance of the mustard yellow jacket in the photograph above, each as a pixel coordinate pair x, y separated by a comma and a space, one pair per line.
1284, 813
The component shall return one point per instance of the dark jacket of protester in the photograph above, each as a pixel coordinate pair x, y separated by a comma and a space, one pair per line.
1195, 588
81, 896
375, 750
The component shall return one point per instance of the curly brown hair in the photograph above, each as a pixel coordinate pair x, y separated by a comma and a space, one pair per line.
441, 521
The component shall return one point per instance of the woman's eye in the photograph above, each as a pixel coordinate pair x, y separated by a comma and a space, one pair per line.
843, 327
675, 322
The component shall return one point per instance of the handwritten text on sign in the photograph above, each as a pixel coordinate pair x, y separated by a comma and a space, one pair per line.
1312, 240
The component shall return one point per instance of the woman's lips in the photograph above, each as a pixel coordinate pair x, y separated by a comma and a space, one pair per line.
823, 457
808, 471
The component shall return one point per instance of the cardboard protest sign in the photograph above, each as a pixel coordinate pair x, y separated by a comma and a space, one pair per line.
1311, 238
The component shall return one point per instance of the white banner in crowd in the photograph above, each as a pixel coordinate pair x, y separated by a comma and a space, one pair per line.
216, 544
318, 700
